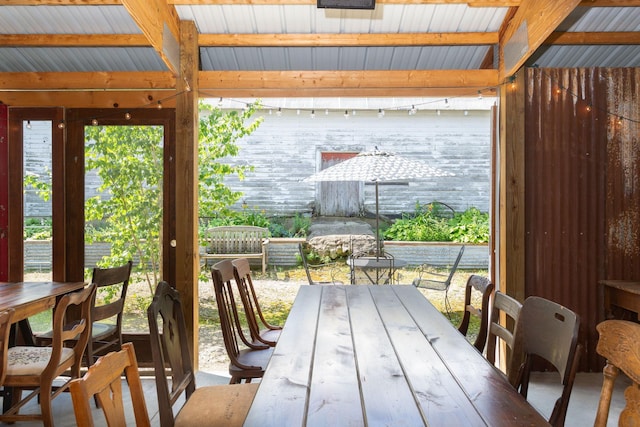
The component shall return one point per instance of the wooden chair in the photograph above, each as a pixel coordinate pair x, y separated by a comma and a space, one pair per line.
35, 367
260, 330
618, 344
509, 308
106, 326
103, 381
250, 361
5, 327
549, 331
222, 405
484, 286
438, 282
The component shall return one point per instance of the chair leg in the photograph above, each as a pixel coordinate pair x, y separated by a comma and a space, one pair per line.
447, 304
45, 407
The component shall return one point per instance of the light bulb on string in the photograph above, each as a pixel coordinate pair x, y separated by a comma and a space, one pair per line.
279, 112
61, 124
127, 116
346, 114
220, 102
380, 113
94, 122
313, 114
28, 124
159, 106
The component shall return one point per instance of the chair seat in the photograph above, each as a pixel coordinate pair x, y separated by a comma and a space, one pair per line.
256, 358
270, 334
32, 360
201, 408
97, 330
430, 284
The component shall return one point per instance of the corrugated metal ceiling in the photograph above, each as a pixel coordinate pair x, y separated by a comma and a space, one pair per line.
305, 19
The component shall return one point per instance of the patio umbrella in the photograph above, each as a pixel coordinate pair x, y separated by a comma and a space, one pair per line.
377, 166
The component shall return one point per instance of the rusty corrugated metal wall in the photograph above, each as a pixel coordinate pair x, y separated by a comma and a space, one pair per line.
582, 163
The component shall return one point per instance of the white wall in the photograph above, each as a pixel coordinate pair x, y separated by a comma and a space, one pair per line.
285, 149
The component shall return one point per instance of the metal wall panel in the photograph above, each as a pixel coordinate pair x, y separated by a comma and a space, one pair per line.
582, 188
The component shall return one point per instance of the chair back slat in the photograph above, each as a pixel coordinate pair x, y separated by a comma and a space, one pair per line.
484, 287
103, 380
504, 317
253, 311
170, 350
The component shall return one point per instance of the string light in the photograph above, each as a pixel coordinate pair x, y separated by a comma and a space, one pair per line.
380, 113
61, 124
413, 110
479, 95
220, 102
159, 105
127, 116
346, 114
94, 122
28, 124
279, 112
313, 114
617, 118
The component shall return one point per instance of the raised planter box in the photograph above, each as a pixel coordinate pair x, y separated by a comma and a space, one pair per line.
282, 253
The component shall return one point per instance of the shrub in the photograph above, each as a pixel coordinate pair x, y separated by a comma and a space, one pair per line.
471, 226
433, 223
424, 225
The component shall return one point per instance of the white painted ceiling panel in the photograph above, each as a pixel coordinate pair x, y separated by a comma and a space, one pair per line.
588, 56
63, 59
66, 20
602, 19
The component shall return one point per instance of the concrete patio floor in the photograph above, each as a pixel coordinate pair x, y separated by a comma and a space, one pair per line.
543, 391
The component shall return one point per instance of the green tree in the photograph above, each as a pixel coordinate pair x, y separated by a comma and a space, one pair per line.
127, 211
219, 133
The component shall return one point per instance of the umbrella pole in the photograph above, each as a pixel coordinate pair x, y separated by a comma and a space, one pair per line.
377, 225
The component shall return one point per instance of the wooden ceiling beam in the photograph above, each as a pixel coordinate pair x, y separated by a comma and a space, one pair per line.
314, 40
380, 92
343, 80
90, 99
159, 22
532, 23
594, 38
119, 80
74, 40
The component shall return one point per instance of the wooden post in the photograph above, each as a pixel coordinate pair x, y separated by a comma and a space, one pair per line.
184, 243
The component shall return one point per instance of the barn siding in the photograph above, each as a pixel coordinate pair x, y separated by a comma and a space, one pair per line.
582, 188
286, 149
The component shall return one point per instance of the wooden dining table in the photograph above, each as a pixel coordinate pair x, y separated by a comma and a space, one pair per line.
30, 298
368, 355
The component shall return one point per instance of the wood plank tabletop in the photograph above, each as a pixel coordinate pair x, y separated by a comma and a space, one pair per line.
380, 355
29, 298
